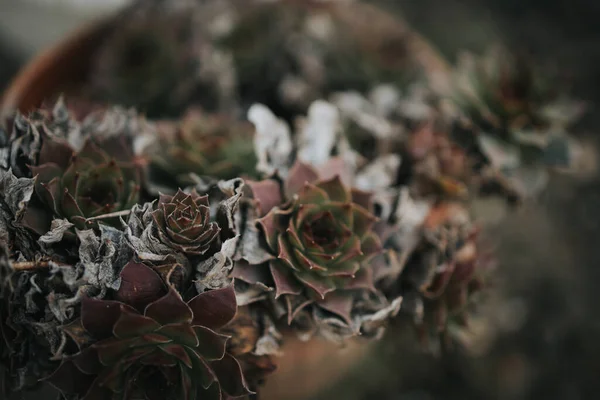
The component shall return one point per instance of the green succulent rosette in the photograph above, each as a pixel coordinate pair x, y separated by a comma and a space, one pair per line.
102, 178
320, 238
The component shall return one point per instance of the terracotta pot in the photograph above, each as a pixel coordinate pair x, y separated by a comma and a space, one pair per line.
66, 65
306, 368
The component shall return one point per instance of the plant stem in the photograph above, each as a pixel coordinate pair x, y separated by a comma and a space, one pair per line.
30, 265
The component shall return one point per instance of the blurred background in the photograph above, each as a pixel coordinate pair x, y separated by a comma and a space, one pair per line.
545, 342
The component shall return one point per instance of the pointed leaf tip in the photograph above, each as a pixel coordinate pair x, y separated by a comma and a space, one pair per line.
140, 286
214, 309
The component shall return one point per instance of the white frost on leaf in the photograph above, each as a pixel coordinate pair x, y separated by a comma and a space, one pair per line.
379, 174
318, 134
272, 141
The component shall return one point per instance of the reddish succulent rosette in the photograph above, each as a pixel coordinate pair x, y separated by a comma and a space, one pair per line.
183, 222
149, 343
320, 238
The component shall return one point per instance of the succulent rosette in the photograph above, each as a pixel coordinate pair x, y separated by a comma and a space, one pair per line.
150, 343
102, 178
320, 241
183, 222
205, 145
447, 267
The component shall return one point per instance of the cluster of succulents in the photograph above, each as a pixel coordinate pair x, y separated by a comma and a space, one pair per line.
162, 258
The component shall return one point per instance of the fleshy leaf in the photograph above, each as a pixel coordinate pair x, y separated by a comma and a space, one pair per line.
131, 324
169, 309
215, 308
339, 304
285, 283
180, 333
267, 193
178, 352
320, 285
336, 190
140, 286
232, 379
299, 174
99, 316
212, 344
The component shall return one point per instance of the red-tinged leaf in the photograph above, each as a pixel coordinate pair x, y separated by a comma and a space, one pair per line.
285, 283
319, 284
112, 350
336, 166
212, 344
292, 235
159, 358
94, 153
286, 253
298, 175
336, 190
351, 250
371, 245
362, 198
46, 172
311, 194
305, 211
339, 304
231, 377
363, 279
363, 220
132, 324
271, 225
51, 194
179, 333
215, 308
140, 286
203, 373
87, 361
305, 263
267, 194
36, 219
99, 316
178, 352
55, 151
294, 308
250, 273
69, 379
347, 269
169, 309
342, 213
69, 206
213, 392
186, 385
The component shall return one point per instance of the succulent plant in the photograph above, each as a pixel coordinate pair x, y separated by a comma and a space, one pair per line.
33, 306
21, 136
504, 90
301, 51
102, 178
445, 269
183, 222
516, 117
149, 60
205, 145
320, 241
150, 343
